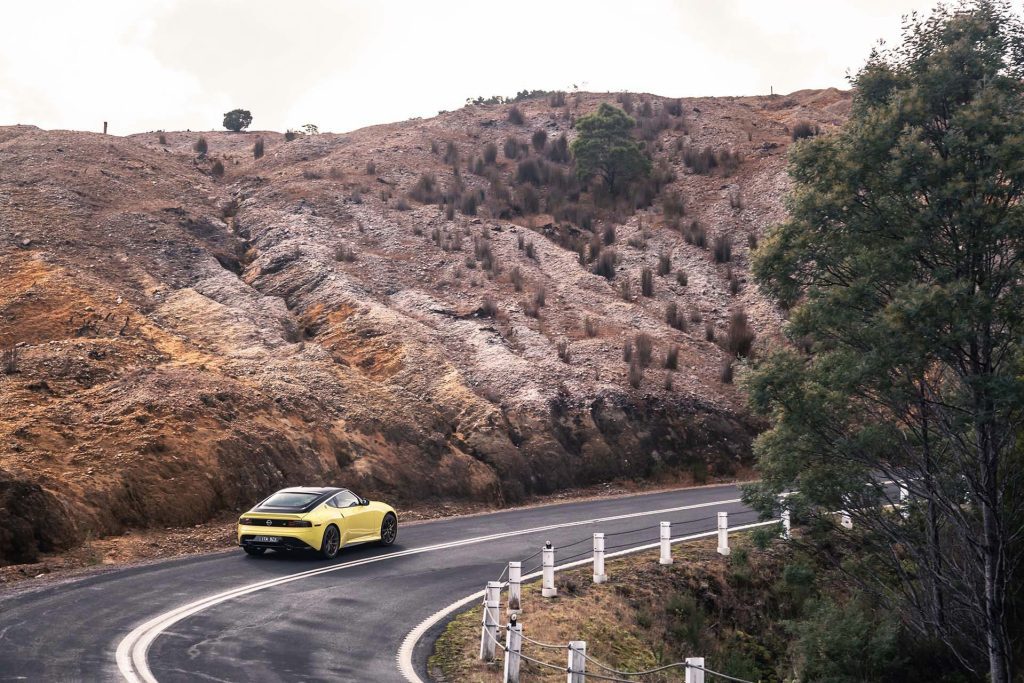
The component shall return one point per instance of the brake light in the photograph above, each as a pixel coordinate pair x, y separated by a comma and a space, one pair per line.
254, 521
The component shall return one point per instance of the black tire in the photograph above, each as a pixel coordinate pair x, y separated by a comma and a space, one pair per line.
252, 550
331, 543
388, 529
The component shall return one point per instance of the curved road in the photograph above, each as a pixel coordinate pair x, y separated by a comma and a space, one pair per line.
341, 621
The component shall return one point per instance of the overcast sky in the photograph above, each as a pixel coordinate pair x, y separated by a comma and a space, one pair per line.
175, 64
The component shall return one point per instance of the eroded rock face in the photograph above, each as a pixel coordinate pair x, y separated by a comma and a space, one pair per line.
34, 521
183, 345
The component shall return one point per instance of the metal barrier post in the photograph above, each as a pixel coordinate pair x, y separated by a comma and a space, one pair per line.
786, 524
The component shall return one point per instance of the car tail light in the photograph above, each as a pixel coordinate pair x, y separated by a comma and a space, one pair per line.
259, 522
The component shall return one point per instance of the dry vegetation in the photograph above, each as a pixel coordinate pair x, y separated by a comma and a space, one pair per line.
199, 318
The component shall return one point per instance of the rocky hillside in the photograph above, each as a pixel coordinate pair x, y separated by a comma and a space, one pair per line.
401, 309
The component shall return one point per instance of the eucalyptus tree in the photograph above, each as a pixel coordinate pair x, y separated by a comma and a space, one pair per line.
903, 265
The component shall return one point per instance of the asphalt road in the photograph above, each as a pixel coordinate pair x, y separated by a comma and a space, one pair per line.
339, 625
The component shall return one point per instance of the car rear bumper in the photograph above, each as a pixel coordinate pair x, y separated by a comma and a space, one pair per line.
288, 539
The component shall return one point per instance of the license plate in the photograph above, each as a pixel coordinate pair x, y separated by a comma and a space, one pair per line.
266, 539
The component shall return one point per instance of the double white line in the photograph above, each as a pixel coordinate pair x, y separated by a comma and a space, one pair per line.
133, 648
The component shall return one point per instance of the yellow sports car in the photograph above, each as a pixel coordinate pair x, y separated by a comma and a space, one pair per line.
320, 519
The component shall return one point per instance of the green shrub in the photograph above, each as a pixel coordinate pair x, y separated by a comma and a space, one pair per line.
531, 171
647, 282
847, 644
200, 147
805, 129
685, 619
672, 357
739, 339
539, 139
512, 147
515, 116
558, 151
723, 249
425, 190
696, 235
664, 263
604, 265
490, 153
257, 148
451, 154
644, 348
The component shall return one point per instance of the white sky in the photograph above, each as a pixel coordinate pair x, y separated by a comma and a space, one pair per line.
342, 64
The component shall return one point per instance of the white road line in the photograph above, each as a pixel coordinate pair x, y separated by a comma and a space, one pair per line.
404, 657
133, 649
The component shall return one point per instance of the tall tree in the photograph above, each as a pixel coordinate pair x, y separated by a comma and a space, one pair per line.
903, 260
237, 119
605, 148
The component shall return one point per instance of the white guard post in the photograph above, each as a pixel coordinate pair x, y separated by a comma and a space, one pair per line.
845, 520
513, 646
695, 675
904, 499
666, 543
599, 575
489, 628
723, 533
786, 524
515, 592
577, 664
548, 589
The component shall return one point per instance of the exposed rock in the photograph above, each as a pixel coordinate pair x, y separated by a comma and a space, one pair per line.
187, 344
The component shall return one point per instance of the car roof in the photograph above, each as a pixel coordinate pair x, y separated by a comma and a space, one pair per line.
318, 490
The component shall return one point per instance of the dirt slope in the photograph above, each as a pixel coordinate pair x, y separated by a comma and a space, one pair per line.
183, 342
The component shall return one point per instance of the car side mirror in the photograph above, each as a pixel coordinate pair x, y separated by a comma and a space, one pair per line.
363, 501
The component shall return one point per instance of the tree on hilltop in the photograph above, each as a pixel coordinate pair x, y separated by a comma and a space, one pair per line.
237, 119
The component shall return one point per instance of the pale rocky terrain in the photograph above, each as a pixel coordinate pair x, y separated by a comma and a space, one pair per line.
186, 343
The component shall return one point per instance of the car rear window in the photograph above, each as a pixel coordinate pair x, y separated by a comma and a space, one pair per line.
289, 499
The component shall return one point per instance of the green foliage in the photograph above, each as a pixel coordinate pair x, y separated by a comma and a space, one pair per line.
762, 537
904, 259
605, 148
237, 119
684, 619
847, 644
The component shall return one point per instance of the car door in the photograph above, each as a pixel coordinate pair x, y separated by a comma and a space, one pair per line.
354, 520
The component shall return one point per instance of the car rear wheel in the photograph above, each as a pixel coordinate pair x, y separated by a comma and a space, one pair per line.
388, 529
331, 543
250, 550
